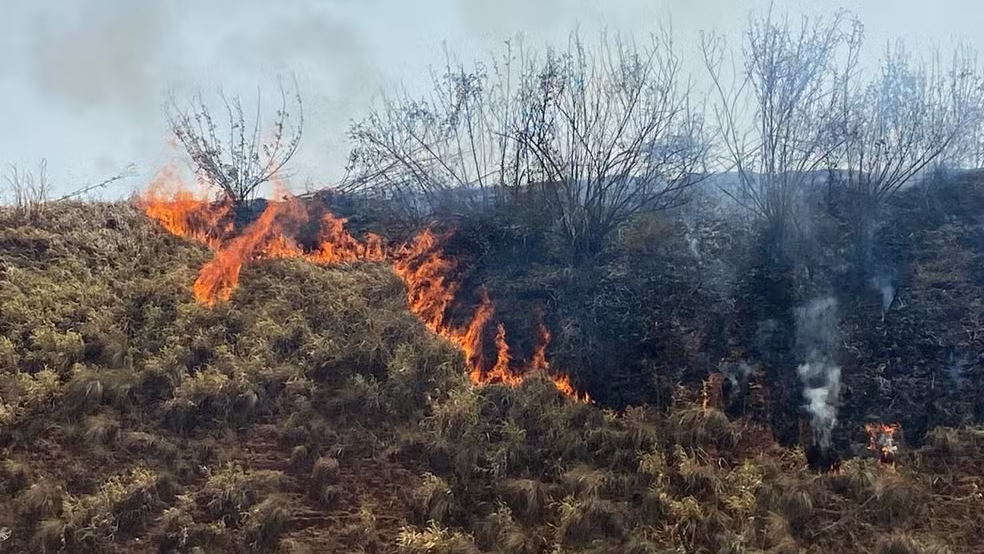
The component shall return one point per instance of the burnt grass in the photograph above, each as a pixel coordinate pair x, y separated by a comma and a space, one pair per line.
314, 413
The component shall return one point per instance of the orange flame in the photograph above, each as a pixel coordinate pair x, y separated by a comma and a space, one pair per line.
881, 439
184, 213
338, 246
263, 238
429, 275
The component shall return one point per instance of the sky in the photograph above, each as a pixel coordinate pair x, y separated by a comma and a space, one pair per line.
83, 82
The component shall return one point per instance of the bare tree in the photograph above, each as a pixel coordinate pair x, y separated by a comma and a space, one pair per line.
453, 150
777, 115
239, 156
612, 134
31, 190
911, 115
963, 77
598, 137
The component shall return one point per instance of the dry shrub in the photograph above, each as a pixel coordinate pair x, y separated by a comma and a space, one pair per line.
856, 479
322, 481
122, 506
89, 388
176, 529
9, 358
54, 349
300, 459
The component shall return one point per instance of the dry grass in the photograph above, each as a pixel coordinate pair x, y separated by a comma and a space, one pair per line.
129, 412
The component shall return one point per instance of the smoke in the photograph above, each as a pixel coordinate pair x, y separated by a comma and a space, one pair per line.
102, 54
957, 367
884, 284
737, 373
816, 336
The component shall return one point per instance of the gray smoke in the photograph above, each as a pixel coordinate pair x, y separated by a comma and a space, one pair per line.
816, 337
884, 285
737, 373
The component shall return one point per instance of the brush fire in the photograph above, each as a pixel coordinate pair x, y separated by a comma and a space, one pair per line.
420, 263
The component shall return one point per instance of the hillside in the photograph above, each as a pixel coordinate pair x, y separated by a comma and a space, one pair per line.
317, 410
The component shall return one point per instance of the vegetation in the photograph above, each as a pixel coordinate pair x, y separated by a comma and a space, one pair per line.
239, 156
314, 412
318, 396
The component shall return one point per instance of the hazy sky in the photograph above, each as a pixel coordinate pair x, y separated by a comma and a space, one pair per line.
82, 81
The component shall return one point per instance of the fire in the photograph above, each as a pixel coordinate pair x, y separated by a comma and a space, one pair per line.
429, 275
264, 237
184, 213
338, 246
881, 439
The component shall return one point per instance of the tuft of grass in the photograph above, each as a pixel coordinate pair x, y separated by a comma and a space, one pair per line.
433, 499
435, 539
897, 499
584, 520
101, 429
324, 472
14, 477
265, 523
231, 491
527, 497
902, 544
53, 535
41, 500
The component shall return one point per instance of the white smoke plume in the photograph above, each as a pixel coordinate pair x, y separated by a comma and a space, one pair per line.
883, 284
816, 334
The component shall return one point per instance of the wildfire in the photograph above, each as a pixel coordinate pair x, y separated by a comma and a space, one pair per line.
184, 213
265, 237
881, 439
429, 275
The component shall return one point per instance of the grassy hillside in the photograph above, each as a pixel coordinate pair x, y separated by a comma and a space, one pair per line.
313, 412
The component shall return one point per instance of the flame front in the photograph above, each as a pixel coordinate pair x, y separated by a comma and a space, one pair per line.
428, 274
184, 213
